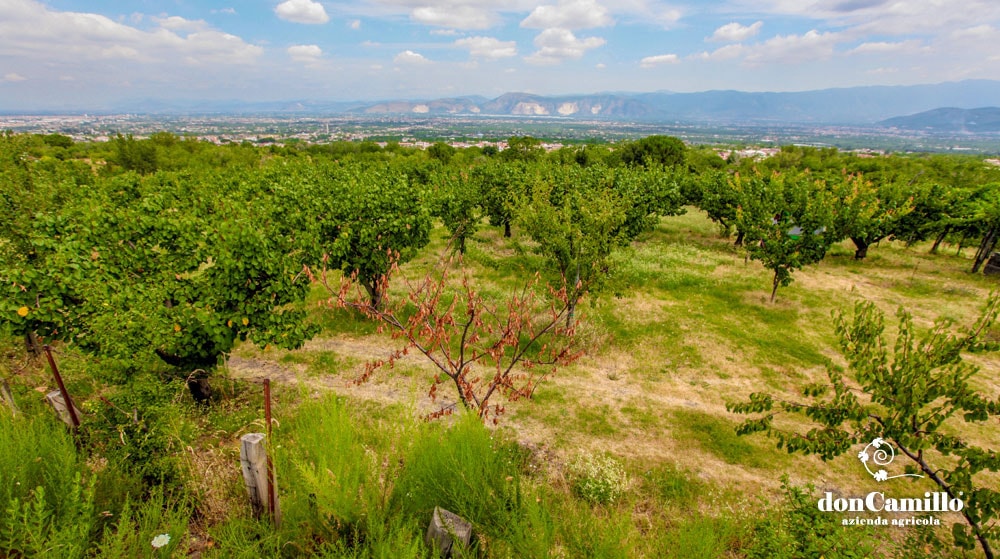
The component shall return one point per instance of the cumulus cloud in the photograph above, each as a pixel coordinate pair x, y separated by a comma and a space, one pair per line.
555, 45
305, 53
13, 77
568, 14
355, 24
302, 11
735, 32
794, 49
31, 31
459, 17
880, 47
658, 60
177, 23
410, 57
488, 47
727, 52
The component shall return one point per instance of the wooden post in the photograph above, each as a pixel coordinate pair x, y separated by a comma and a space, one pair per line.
65, 413
445, 529
270, 467
74, 414
8, 397
255, 464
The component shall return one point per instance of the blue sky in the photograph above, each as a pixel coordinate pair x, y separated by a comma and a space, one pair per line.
74, 53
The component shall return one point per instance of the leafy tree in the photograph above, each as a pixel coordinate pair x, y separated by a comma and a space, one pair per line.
720, 200
785, 219
441, 151
502, 186
163, 265
579, 216
916, 396
986, 213
665, 151
866, 213
374, 212
457, 204
135, 155
523, 148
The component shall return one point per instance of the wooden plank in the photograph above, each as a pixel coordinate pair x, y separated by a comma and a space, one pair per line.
255, 465
8, 397
445, 529
57, 402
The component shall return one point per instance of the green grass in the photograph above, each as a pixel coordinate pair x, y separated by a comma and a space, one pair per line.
717, 436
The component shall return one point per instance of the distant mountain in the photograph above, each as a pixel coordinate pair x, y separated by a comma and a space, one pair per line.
854, 105
864, 106
984, 120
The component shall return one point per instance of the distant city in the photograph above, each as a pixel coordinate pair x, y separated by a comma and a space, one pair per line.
465, 131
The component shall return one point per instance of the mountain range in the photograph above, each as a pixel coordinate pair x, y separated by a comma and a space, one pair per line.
984, 120
868, 106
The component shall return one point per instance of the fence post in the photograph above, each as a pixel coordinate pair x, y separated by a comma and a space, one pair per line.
71, 411
8, 397
256, 467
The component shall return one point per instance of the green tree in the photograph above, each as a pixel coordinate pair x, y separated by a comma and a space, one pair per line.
917, 396
170, 265
785, 219
373, 214
579, 216
866, 213
665, 151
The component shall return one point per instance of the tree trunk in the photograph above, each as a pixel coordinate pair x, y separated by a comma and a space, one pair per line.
862, 248
985, 248
739, 238
506, 229
940, 239
31, 344
774, 290
373, 293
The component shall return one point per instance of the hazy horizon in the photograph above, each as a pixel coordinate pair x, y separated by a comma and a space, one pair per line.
75, 53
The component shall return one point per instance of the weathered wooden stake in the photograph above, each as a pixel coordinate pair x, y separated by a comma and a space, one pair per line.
74, 414
255, 465
8, 397
65, 413
445, 529
270, 465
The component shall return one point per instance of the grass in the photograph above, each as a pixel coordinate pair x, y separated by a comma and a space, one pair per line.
684, 328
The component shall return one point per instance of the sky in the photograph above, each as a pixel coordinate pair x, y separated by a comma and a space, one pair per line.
75, 53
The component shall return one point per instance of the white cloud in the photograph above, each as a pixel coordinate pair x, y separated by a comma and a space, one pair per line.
568, 14
735, 32
555, 45
305, 53
794, 49
410, 57
355, 24
12, 77
727, 52
227, 11
459, 17
881, 47
177, 23
445, 32
488, 47
651, 61
302, 11
31, 31
455, 14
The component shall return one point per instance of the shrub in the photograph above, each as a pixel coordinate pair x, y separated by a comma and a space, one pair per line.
598, 479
